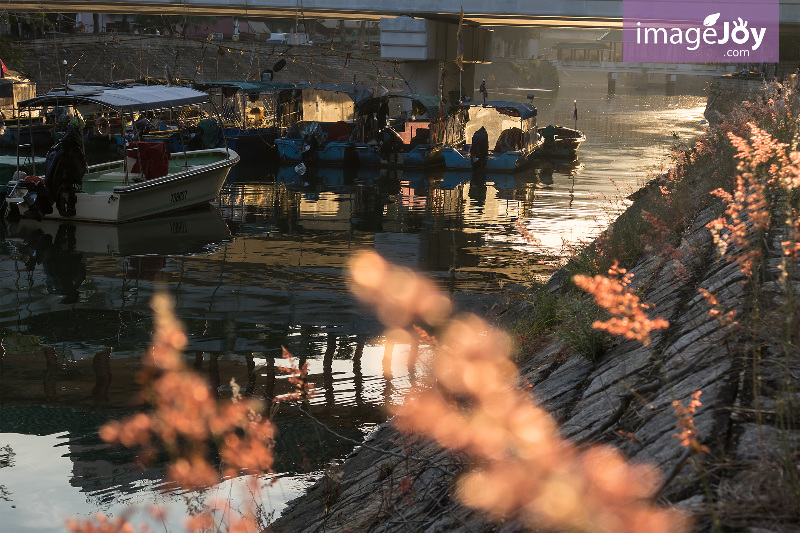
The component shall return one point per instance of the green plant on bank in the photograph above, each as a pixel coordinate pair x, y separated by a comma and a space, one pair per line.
540, 319
577, 314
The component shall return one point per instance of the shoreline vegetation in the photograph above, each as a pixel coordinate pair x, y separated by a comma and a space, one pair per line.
652, 384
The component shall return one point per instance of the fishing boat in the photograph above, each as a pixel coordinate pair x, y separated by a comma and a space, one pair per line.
399, 130
559, 142
496, 136
249, 113
146, 181
317, 122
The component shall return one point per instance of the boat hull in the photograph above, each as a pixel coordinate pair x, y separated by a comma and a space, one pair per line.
338, 153
251, 144
564, 145
495, 162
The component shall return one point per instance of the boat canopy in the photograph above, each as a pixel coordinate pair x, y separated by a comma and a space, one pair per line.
248, 87
125, 99
428, 101
514, 109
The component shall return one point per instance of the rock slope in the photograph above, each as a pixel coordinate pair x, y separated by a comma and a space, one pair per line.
748, 378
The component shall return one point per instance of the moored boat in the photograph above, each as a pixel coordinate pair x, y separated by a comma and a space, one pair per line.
148, 181
498, 136
317, 121
250, 114
559, 142
399, 130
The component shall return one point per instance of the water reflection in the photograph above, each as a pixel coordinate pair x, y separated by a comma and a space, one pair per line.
264, 270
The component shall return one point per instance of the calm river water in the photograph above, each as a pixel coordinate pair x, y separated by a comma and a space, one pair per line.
265, 268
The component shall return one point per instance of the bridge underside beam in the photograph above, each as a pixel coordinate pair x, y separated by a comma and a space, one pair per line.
563, 13
155, 7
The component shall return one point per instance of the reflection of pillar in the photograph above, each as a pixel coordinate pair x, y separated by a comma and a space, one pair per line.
305, 345
269, 386
327, 370
101, 364
672, 80
358, 377
387, 360
388, 389
198, 361
251, 375
413, 356
213, 373
612, 82
50, 378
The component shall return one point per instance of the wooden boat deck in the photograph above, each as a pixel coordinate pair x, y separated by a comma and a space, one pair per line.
105, 177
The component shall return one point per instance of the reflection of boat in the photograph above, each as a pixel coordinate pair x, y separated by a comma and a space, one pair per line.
539, 172
146, 182
559, 142
181, 233
327, 175
502, 136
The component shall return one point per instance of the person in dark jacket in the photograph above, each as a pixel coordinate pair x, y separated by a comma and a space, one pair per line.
479, 150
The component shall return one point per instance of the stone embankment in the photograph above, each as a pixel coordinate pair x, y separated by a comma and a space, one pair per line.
108, 57
747, 371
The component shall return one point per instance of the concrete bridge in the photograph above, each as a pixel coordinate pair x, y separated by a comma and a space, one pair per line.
573, 13
424, 46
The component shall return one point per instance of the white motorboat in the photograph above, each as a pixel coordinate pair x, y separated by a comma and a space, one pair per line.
148, 181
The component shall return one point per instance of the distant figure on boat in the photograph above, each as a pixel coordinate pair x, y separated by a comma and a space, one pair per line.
421, 136
479, 150
340, 131
142, 125
510, 139
383, 114
390, 145
549, 133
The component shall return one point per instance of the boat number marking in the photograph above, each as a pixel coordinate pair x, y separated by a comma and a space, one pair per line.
178, 196
178, 227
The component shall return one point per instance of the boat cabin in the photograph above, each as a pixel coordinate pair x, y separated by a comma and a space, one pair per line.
324, 111
409, 116
510, 126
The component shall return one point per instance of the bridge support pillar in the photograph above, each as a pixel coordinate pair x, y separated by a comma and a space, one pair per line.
612, 82
426, 52
435, 77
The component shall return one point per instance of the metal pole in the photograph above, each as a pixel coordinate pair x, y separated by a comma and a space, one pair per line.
575, 113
